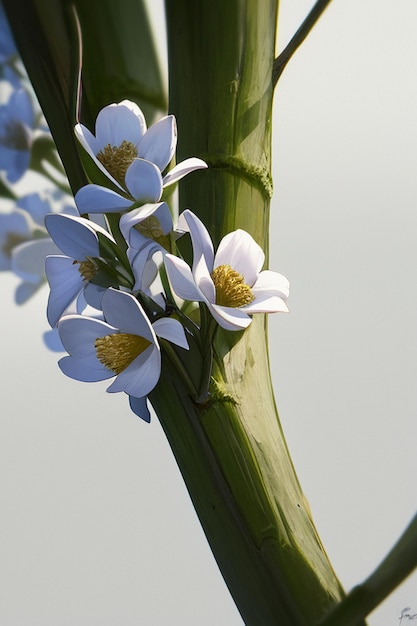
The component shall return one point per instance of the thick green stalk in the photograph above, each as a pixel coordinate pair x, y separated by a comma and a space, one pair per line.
231, 451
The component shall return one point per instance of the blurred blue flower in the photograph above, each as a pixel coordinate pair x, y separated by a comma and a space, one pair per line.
17, 120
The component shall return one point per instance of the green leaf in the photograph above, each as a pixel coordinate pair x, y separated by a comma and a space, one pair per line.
45, 34
118, 58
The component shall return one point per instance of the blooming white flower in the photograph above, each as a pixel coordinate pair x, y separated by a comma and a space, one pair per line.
231, 282
132, 157
69, 274
124, 345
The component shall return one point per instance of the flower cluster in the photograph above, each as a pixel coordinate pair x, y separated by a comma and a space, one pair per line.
24, 240
119, 290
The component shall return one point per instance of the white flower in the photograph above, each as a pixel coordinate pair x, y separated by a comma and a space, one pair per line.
69, 274
124, 345
132, 157
231, 282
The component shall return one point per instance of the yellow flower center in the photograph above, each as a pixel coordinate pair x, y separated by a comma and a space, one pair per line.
116, 159
231, 289
87, 268
118, 351
150, 227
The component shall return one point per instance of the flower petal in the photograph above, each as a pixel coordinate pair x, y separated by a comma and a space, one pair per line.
96, 199
21, 106
202, 244
74, 236
65, 282
139, 407
229, 318
80, 371
78, 335
119, 122
273, 283
171, 330
87, 140
182, 169
93, 295
141, 376
15, 162
143, 270
160, 211
268, 304
124, 312
28, 259
181, 279
159, 142
203, 279
144, 182
239, 250
24, 291
52, 340
37, 207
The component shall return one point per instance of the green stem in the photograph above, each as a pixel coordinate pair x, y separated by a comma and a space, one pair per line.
397, 565
296, 41
231, 450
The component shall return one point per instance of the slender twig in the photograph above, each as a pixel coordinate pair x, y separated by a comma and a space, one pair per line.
397, 565
296, 41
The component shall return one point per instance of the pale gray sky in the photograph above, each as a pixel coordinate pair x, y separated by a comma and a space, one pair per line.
96, 525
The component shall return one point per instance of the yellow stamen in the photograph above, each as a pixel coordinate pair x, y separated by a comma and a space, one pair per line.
87, 269
151, 227
231, 289
116, 159
118, 351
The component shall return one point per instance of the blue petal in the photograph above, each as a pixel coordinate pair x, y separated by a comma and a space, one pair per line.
139, 407
97, 199
65, 282
124, 312
80, 371
73, 235
141, 376
159, 142
143, 180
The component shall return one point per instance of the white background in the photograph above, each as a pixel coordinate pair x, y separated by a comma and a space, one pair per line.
96, 526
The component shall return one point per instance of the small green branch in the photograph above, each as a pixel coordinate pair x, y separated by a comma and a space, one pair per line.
296, 41
363, 599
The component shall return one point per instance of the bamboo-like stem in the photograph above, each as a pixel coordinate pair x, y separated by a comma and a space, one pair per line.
231, 450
